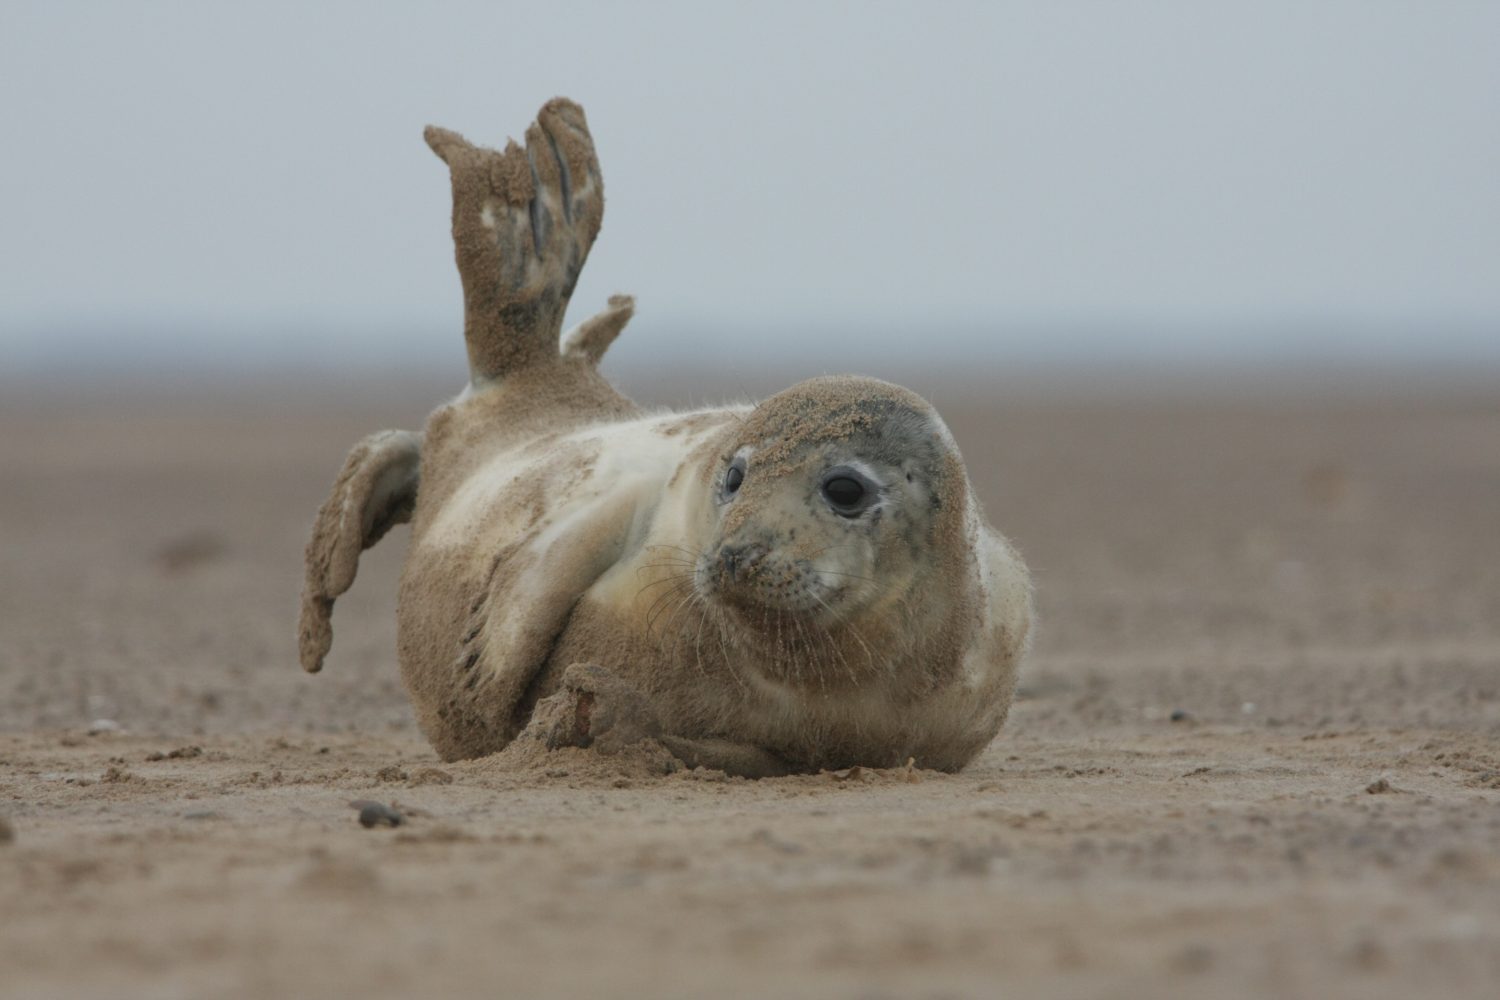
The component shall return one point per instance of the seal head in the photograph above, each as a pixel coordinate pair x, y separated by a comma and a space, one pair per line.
835, 503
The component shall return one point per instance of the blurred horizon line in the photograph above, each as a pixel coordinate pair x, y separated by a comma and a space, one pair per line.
667, 367
215, 346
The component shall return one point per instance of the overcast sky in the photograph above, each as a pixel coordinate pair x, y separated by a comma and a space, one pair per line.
248, 181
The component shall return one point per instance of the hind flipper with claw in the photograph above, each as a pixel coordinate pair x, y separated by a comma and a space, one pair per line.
523, 223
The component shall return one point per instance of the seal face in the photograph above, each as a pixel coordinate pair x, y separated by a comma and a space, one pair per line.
804, 583
829, 505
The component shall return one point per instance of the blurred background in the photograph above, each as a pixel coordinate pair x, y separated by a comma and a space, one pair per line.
205, 188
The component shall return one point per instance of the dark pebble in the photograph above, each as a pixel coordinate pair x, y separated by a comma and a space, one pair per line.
373, 814
1178, 715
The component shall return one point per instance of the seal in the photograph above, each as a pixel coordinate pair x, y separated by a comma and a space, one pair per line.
805, 583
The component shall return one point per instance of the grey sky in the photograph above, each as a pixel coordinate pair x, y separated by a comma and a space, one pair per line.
249, 180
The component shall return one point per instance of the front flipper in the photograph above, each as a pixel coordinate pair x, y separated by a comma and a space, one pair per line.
594, 708
375, 491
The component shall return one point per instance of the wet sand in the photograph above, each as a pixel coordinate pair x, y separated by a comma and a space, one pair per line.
1256, 750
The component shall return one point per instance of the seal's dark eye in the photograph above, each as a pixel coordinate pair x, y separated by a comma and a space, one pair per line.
734, 477
844, 493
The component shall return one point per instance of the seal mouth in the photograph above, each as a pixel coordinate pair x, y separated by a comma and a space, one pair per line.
760, 588
757, 609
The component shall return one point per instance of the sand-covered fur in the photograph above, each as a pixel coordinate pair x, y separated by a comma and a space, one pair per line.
807, 583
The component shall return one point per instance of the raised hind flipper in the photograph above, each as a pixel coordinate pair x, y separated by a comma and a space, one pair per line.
523, 223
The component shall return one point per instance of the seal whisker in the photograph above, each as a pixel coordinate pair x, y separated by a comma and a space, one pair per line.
677, 578
683, 607
781, 647
839, 653
667, 605
686, 600
852, 576
663, 565
694, 556
793, 655
853, 631
669, 600
673, 582
681, 572
698, 638
659, 605
807, 644
731, 664
828, 641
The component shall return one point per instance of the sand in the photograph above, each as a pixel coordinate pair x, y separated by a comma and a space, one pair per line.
1256, 750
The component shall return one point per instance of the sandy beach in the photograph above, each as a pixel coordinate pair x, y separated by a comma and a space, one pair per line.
1256, 750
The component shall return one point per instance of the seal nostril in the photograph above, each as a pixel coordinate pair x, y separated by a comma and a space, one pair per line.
738, 560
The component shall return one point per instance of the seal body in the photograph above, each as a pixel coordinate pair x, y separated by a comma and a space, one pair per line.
805, 583
599, 543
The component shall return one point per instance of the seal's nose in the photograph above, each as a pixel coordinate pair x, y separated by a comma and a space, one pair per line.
738, 560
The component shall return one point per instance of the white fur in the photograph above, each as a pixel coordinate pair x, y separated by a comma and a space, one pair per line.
635, 460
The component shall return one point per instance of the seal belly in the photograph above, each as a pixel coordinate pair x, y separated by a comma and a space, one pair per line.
494, 577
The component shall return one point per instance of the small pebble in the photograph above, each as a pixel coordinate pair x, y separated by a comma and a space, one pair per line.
372, 814
181, 753
1379, 787
1179, 715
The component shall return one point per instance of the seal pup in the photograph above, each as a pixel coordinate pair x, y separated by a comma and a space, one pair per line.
802, 584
